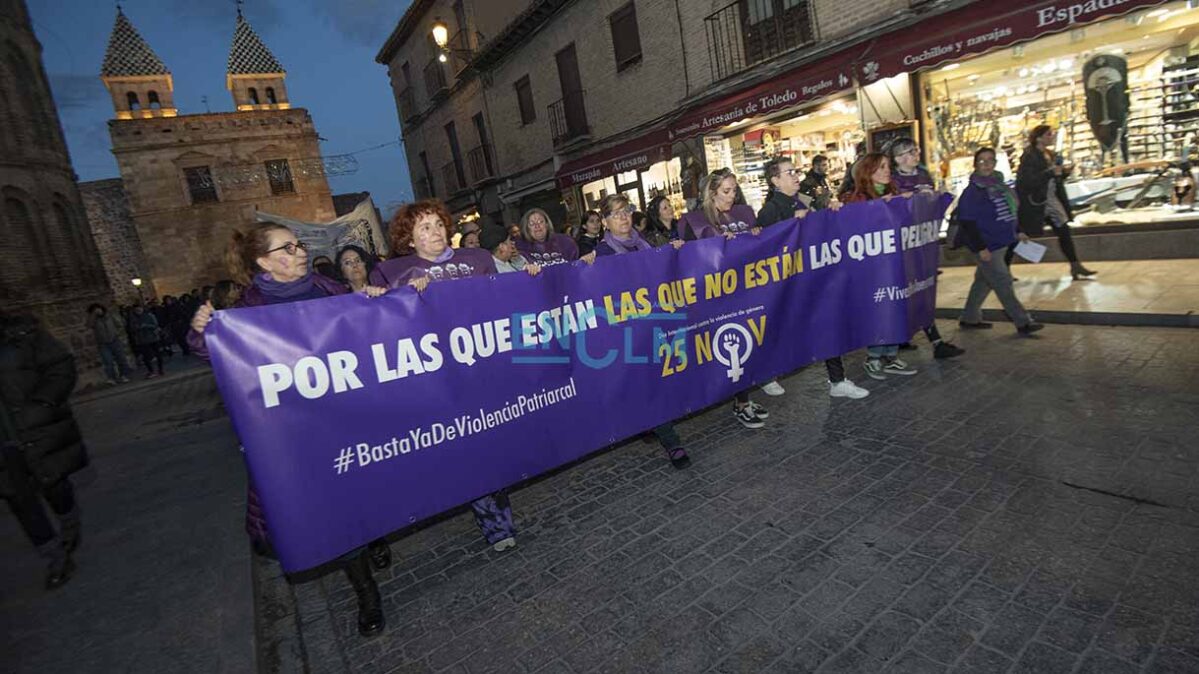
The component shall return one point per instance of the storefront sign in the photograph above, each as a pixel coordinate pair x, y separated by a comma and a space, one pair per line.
639, 153
784, 92
984, 32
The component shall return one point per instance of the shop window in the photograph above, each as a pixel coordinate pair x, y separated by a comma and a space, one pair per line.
278, 172
626, 41
200, 185
524, 100
253, 95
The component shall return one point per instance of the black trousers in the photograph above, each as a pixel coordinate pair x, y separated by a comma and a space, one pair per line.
26, 501
1064, 239
836, 369
150, 353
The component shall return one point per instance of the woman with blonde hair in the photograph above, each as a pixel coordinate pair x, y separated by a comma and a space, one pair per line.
541, 245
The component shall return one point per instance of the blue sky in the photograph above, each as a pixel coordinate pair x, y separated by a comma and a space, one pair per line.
326, 46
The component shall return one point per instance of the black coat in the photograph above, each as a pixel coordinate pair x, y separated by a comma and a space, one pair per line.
1034, 179
37, 375
778, 207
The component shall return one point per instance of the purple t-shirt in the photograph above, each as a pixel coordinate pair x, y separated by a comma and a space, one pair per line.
464, 263
557, 249
921, 179
739, 220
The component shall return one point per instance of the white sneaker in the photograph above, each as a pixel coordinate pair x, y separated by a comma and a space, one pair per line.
500, 546
847, 389
773, 388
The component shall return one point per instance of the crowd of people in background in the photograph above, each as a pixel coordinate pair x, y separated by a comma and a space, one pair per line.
269, 264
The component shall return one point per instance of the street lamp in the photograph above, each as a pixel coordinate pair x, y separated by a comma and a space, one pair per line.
441, 33
137, 283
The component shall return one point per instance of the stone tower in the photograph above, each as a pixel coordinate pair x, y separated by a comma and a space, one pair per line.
191, 179
254, 76
50, 264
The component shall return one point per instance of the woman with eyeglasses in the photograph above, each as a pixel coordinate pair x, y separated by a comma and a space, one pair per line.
272, 265
621, 237
1041, 187
987, 214
783, 203
872, 180
910, 177
541, 245
354, 266
721, 215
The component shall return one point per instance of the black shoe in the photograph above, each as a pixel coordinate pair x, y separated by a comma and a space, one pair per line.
380, 554
57, 575
946, 350
907, 346
981, 325
1081, 273
678, 457
1030, 328
370, 604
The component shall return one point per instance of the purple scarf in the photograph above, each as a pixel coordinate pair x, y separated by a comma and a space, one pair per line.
279, 291
634, 243
445, 255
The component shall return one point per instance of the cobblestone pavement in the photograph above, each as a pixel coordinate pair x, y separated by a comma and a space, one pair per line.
163, 580
1029, 507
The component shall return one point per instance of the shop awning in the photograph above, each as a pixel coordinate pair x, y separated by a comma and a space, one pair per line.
809, 82
638, 153
981, 27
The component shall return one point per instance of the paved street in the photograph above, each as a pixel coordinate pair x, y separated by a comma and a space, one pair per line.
1029, 507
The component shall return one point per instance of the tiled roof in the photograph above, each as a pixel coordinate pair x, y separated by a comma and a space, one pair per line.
128, 54
248, 55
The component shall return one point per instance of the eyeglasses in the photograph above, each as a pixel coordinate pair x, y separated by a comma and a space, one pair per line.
625, 212
291, 247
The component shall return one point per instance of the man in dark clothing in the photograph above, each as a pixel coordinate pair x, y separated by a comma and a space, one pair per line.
40, 444
847, 182
815, 183
784, 202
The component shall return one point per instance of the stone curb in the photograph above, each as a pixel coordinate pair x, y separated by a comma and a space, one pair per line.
1138, 320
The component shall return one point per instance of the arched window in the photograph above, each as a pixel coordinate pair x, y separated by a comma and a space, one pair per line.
81, 251
253, 95
131, 98
270, 96
152, 100
24, 274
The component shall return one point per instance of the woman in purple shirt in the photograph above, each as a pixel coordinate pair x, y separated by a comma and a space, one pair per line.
720, 215
541, 245
420, 234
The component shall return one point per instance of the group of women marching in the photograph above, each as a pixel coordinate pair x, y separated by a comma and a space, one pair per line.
272, 265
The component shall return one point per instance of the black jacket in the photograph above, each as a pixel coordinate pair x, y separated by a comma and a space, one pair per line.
1034, 179
810, 185
778, 207
37, 375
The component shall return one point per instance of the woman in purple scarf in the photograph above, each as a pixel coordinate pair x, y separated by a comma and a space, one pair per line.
541, 245
273, 265
620, 238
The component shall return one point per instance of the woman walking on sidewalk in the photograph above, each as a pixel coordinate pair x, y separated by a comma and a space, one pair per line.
272, 265
40, 444
145, 336
1040, 186
987, 215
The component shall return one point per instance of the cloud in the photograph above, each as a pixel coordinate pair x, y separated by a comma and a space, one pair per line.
76, 90
366, 22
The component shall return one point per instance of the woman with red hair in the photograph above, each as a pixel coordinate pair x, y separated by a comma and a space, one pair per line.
872, 180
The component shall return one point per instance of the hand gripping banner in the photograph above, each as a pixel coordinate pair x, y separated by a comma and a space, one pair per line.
362, 416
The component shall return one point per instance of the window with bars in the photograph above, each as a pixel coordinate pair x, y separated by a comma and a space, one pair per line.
278, 171
200, 185
626, 41
524, 99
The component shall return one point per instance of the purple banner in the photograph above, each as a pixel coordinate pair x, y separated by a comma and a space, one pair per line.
362, 416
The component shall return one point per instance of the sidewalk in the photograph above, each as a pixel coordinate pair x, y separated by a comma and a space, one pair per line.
176, 369
1132, 292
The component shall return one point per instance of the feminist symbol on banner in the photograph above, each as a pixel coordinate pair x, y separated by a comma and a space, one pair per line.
734, 345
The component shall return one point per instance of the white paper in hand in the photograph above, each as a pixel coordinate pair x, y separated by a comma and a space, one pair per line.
1030, 250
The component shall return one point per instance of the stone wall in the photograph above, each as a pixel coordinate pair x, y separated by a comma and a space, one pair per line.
116, 238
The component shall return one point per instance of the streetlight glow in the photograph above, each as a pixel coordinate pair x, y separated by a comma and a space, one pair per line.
441, 33
137, 283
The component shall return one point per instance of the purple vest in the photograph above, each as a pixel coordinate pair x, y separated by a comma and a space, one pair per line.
739, 220
557, 249
465, 262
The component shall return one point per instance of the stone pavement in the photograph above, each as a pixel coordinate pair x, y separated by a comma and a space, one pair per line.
1029, 507
1127, 292
163, 583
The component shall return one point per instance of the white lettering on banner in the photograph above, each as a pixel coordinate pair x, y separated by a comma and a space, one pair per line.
954, 48
630, 163
585, 176
1073, 13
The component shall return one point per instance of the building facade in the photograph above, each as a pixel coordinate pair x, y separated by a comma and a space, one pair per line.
645, 96
51, 266
192, 179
